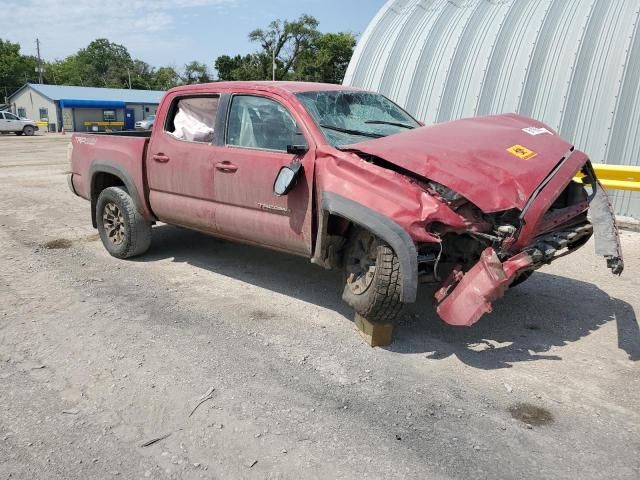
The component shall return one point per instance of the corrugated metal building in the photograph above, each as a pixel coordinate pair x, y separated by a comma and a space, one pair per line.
574, 64
84, 108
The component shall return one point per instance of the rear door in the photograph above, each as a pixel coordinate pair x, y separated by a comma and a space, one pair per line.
258, 130
180, 161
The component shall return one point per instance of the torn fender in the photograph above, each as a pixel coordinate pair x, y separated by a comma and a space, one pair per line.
387, 230
465, 297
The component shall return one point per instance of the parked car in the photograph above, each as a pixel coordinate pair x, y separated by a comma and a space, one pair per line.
350, 180
10, 123
146, 124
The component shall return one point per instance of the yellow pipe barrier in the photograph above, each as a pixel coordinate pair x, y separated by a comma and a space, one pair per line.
617, 177
104, 124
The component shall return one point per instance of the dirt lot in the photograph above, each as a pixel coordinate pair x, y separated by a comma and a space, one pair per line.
100, 356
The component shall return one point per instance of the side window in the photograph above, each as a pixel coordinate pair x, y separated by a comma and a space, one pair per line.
1, 116
10, 116
257, 122
193, 119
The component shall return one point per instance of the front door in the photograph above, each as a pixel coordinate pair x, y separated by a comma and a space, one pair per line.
180, 162
10, 123
129, 119
258, 132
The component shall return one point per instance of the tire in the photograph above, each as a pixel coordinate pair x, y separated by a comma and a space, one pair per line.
18, 133
123, 230
28, 130
373, 282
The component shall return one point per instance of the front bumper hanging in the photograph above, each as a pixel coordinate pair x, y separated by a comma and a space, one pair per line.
465, 296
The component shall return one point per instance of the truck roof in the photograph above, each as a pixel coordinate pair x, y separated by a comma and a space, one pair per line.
289, 87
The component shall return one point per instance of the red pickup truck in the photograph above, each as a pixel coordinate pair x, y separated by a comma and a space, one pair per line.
350, 180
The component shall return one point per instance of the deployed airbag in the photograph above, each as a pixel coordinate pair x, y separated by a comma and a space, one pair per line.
195, 119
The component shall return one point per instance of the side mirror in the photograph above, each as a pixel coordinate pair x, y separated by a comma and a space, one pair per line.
287, 178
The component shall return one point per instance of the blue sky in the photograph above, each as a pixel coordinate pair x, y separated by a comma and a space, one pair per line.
169, 32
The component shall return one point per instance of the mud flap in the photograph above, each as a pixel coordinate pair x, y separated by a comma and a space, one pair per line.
465, 297
605, 231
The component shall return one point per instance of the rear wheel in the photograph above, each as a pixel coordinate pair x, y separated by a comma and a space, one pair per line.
372, 278
28, 130
123, 230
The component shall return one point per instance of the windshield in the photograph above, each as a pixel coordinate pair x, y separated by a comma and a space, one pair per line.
347, 117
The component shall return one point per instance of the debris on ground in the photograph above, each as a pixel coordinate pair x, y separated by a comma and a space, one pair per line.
155, 440
208, 395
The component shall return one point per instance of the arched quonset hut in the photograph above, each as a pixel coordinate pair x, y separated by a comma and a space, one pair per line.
574, 64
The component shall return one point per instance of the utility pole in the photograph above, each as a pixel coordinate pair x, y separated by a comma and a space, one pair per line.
39, 61
274, 41
129, 74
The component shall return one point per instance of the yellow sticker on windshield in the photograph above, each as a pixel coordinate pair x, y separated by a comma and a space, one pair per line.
521, 152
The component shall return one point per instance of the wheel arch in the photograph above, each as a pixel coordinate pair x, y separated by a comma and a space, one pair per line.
105, 174
378, 224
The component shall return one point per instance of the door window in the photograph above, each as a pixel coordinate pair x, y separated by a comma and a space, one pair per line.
258, 122
10, 116
1, 116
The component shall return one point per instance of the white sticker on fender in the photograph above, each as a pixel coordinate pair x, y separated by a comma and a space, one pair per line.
536, 131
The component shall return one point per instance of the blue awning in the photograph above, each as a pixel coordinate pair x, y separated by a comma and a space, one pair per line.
70, 103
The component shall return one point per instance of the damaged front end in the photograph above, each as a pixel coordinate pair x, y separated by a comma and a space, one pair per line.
558, 218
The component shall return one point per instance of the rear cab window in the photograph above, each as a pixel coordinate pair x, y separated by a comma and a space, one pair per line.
193, 118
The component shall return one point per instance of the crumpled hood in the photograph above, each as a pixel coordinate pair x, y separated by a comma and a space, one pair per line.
472, 157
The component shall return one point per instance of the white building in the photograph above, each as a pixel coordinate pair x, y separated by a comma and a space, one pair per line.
573, 64
84, 108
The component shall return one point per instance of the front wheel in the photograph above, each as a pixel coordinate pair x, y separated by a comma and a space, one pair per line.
28, 130
373, 281
123, 230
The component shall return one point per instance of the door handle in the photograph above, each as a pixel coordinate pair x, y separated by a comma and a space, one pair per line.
226, 166
160, 158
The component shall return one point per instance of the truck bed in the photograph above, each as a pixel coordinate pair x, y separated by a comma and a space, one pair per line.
121, 154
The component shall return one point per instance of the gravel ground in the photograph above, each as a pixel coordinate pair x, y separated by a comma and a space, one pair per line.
100, 356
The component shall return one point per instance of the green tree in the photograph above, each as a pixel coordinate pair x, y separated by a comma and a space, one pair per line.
142, 75
101, 64
195, 72
301, 53
327, 59
67, 72
249, 67
285, 41
165, 78
106, 63
15, 69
